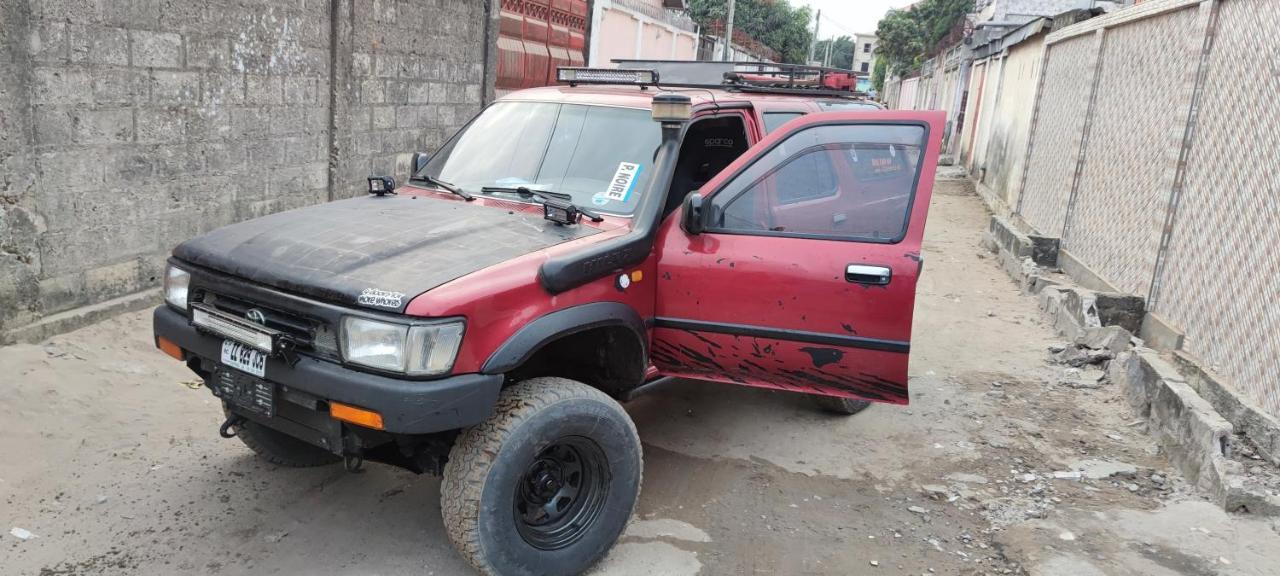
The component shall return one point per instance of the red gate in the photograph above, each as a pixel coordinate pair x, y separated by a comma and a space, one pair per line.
536, 36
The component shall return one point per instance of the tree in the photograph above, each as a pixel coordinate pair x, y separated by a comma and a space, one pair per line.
908, 37
841, 52
878, 73
775, 23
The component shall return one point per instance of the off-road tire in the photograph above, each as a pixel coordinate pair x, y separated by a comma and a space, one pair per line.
488, 466
280, 448
838, 405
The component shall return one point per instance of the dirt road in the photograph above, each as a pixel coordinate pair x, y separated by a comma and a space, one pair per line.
114, 464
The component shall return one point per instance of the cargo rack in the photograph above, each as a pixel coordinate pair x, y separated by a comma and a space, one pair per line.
755, 77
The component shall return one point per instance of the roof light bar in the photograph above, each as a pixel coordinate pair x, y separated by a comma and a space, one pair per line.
635, 76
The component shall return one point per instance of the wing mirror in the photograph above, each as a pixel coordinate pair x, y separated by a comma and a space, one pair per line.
691, 218
420, 160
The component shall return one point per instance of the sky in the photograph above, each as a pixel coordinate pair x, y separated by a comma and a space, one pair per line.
844, 17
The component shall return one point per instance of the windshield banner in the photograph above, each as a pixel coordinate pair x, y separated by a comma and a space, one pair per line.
624, 179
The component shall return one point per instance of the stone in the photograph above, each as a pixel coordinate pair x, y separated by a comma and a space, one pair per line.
1111, 338
1100, 469
917, 510
967, 478
935, 491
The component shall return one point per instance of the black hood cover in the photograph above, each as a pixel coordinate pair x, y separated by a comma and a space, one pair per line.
375, 252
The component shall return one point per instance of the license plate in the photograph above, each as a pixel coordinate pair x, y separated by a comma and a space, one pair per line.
244, 358
245, 392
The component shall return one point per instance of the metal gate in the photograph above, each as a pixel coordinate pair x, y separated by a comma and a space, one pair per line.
536, 36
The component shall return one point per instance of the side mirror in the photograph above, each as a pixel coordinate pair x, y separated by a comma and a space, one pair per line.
420, 160
692, 219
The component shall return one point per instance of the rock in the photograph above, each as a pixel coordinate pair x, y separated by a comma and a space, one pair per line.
21, 533
1073, 357
275, 537
934, 491
1056, 348
1067, 536
917, 510
1101, 469
968, 478
1098, 356
875, 563
1087, 378
102, 499
1028, 478
1067, 475
1111, 338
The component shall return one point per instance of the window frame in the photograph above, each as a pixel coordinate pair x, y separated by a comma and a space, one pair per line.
710, 228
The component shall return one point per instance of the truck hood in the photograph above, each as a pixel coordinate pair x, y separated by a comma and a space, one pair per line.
373, 252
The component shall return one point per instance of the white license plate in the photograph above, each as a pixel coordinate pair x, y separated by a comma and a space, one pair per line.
244, 358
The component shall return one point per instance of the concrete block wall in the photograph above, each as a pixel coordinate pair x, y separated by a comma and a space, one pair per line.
127, 127
416, 75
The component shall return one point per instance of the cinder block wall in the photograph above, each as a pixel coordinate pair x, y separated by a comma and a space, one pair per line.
127, 127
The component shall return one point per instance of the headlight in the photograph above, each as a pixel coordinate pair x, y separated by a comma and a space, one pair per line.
414, 350
176, 282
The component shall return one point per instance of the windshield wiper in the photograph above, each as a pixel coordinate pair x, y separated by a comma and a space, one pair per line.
438, 183
543, 195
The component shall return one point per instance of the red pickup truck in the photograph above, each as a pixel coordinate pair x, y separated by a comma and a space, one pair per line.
566, 247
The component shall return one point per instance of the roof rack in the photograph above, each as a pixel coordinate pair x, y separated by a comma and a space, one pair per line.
756, 77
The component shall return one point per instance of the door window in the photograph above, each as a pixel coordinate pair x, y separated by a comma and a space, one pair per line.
845, 181
773, 120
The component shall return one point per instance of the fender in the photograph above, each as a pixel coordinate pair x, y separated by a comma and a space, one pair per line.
533, 336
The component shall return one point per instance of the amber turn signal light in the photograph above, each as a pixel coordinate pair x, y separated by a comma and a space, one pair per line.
169, 347
357, 416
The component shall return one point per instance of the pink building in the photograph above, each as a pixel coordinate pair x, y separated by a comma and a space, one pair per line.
640, 29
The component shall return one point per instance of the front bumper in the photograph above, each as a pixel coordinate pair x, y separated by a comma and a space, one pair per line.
406, 406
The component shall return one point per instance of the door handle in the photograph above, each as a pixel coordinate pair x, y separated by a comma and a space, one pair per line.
864, 274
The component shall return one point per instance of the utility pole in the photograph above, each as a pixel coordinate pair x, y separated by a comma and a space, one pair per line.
728, 34
813, 45
826, 60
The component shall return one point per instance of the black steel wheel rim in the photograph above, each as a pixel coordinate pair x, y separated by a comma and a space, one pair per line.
561, 493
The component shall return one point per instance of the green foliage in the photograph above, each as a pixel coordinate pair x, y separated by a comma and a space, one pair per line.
878, 73
841, 52
775, 23
907, 37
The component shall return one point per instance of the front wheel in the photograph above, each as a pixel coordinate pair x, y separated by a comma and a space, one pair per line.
546, 484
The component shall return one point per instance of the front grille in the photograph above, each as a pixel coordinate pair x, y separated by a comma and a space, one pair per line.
309, 334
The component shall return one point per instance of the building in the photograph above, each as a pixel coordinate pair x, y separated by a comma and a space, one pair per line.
864, 50
640, 30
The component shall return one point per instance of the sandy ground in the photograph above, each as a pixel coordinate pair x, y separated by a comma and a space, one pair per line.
116, 467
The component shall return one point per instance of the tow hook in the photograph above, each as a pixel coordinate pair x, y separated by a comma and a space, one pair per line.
227, 428
352, 452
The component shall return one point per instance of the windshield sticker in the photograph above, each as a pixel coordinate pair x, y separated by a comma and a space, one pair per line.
620, 185
380, 298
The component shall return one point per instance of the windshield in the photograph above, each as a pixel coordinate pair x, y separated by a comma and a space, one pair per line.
600, 156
